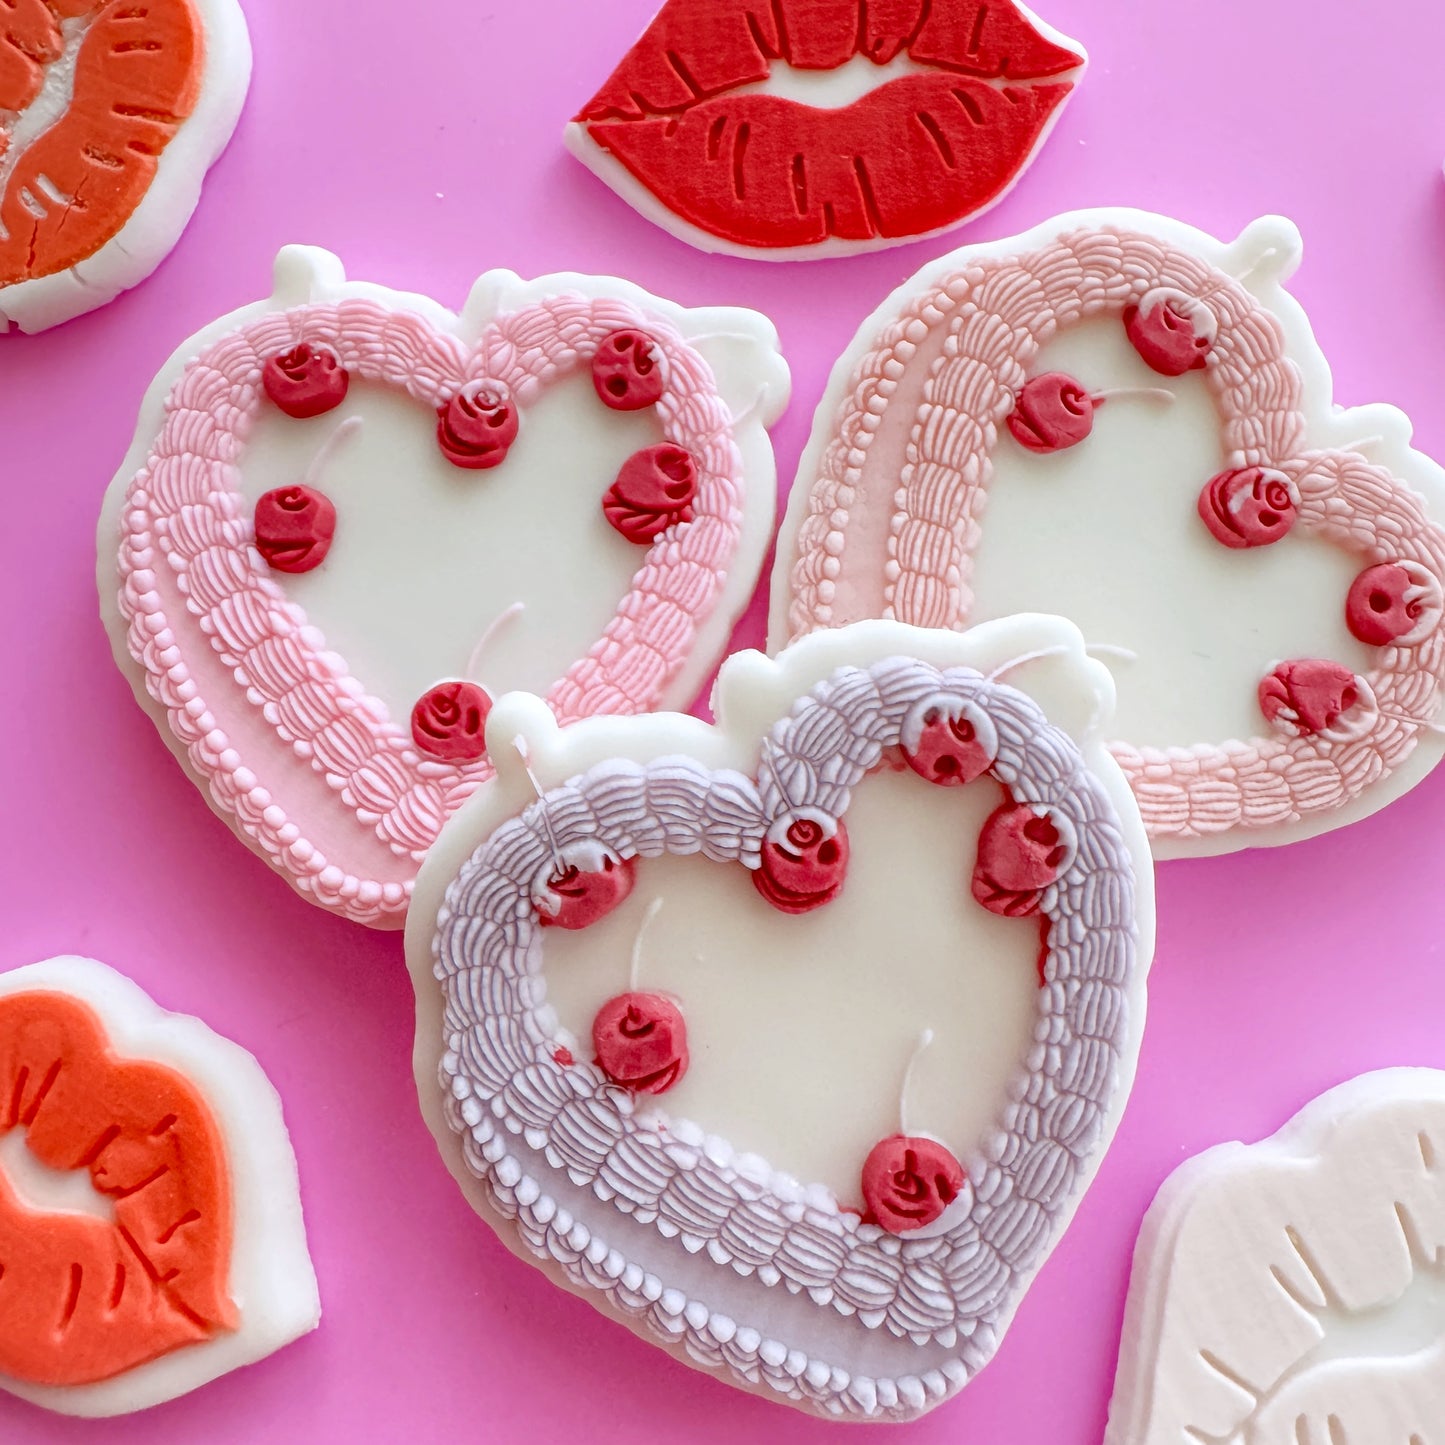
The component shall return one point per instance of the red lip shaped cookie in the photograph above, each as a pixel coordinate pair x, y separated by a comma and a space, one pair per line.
801, 128
934, 1027
111, 112
1273, 563
150, 1229
350, 518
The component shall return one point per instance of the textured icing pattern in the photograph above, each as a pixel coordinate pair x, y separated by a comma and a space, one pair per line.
996, 315
523, 1107
192, 584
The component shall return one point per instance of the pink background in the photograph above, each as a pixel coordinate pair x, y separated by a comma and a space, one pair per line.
423, 146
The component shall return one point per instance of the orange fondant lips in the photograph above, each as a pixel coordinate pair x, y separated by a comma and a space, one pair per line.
82, 1299
138, 72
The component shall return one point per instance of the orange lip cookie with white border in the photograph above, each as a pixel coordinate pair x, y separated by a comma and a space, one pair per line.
150, 1220
111, 112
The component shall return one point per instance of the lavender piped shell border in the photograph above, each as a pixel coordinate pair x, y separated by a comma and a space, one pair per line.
521, 1114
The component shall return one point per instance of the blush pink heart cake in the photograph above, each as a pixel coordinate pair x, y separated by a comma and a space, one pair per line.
350, 518
1124, 421
789, 129
793, 1042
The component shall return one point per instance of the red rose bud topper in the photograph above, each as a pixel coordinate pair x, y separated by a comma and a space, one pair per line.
625, 371
578, 893
1020, 853
1054, 412
1308, 696
449, 721
477, 426
305, 381
653, 491
949, 746
641, 1042
1172, 332
909, 1179
1249, 506
294, 528
1393, 602
803, 864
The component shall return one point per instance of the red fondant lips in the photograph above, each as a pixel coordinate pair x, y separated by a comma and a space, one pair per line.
916, 155
83, 1299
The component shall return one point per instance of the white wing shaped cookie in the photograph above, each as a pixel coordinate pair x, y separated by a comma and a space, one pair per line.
1293, 1292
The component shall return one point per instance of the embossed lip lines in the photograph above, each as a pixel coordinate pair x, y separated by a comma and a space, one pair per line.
684, 115
86, 1298
82, 155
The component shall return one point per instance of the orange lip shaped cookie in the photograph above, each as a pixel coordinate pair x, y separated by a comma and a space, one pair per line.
791, 128
95, 182
145, 1179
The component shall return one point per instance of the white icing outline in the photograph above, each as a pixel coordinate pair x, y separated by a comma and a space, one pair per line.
153, 228
272, 1280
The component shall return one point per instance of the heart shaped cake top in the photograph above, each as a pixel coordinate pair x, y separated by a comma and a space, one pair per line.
350, 519
1291, 1290
803, 128
94, 188
793, 1041
150, 1225
1119, 419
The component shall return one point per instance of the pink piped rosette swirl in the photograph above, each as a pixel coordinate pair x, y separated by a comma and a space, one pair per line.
996, 315
285, 739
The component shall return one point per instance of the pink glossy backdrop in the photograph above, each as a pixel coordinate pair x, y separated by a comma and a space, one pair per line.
422, 144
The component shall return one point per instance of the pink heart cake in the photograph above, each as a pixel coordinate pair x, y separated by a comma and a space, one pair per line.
793, 1042
350, 518
1121, 420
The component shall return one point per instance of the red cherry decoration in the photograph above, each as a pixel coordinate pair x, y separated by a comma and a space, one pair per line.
1020, 853
641, 1042
294, 527
950, 750
1390, 601
1308, 696
450, 722
305, 381
1249, 506
1164, 331
477, 426
908, 1181
653, 491
1052, 412
805, 868
625, 371
588, 894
